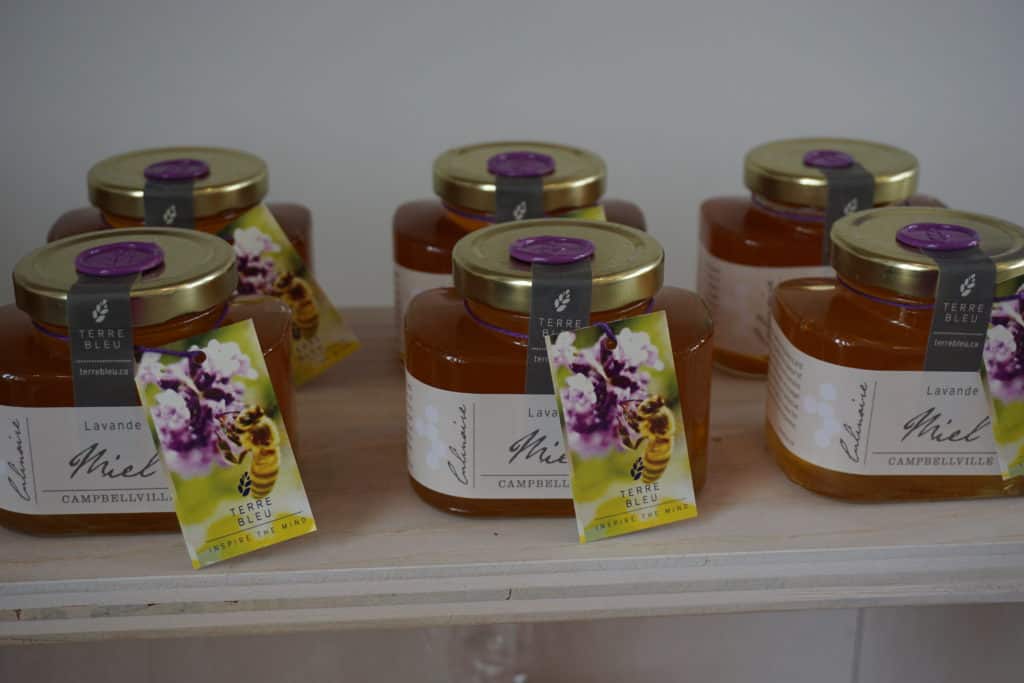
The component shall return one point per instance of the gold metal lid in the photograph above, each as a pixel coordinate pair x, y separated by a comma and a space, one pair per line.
461, 176
776, 170
236, 180
627, 264
866, 253
198, 273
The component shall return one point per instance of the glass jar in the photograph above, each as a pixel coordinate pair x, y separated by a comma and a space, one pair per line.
125, 490
852, 411
465, 180
224, 184
477, 443
750, 244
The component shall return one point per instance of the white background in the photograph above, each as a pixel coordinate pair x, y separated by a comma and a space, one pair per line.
349, 102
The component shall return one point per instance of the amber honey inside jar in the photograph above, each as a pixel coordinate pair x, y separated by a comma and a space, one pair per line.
219, 185
852, 413
119, 485
466, 181
478, 444
777, 233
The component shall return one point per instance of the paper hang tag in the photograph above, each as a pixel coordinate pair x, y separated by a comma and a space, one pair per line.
101, 343
169, 204
587, 213
269, 265
618, 400
850, 189
218, 427
1003, 378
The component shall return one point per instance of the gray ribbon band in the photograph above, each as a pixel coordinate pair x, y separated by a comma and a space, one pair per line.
850, 189
102, 346
560, 301
518, 199
169, 204
963, 306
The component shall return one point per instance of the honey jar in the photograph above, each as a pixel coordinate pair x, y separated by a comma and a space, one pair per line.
478, 442
83, 466
884, 382
479, 185
780, 232
208, 188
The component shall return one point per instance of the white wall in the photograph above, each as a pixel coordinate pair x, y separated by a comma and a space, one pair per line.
350, 101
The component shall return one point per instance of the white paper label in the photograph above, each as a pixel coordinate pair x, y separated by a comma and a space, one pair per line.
409, 283
740, 299
76, 461
879, 422
485, 445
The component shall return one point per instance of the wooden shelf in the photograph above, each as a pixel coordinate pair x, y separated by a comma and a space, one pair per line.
384, 558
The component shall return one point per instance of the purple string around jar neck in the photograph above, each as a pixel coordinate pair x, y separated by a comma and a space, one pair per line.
520, 335
466, 213
807, 215
607, 329
881, 300
901, 304
147, 349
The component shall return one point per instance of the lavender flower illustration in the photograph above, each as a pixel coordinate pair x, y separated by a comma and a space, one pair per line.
1004, 350
256, 272
606, 380
193, 395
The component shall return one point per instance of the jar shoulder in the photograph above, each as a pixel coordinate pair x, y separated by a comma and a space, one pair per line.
423, 236
271, 317
437, 320
420, 220
443, 340
292, 216
735, 229
75, 222
624, 212
689, 320
33, 370
727, 212
826, 320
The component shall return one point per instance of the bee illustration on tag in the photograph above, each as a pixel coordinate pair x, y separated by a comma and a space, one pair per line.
250, 433
298, 294
656, 426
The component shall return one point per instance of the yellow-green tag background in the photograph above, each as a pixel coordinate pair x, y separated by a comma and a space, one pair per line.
597, 481
202, 502
334, 338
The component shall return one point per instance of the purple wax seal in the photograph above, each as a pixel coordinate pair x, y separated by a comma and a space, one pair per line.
177, 169
937, 237
827, 158
119, 258
551, 250
520, 164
